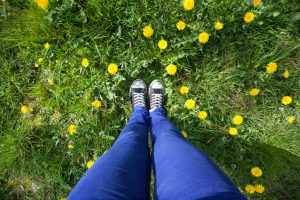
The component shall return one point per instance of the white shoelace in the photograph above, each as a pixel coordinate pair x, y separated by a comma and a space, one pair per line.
156, 101
139, 99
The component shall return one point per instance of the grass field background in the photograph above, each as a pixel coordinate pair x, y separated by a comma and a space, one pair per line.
35, 161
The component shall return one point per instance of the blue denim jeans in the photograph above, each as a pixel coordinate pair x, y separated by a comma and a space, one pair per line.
181, 171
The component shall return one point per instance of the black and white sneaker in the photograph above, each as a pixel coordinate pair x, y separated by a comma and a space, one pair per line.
156, 95
137, 93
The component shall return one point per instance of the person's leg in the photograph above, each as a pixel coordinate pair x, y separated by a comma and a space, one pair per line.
123, 172
181, 171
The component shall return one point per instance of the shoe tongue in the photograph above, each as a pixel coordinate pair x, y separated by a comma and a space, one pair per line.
157, 91
138, 90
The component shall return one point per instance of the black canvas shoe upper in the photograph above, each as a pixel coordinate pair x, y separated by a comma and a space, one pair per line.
156, 94
137, 93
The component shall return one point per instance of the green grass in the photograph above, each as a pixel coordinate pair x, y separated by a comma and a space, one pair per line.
34, 159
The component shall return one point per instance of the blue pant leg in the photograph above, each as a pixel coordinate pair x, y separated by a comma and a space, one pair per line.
183, 172
123, 172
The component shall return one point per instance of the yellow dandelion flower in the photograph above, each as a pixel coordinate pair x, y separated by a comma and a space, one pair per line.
291, 119
286, 100
259, 188
188, 4
85, 62
271, 67
40, 60
72, 129
233, 131
90, 163
25, 109
249, 17
70, 146
46, 45
237, 120
180, 25
250, 189
36, 65
254, 92
184, 90
162, 44
219, 26
203, 37
171, 69
256, 3
43, 4
189, 104
256, 171
148, 31
202, 114
112, 68
51, 82
184, 134
286, 74
96, 103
